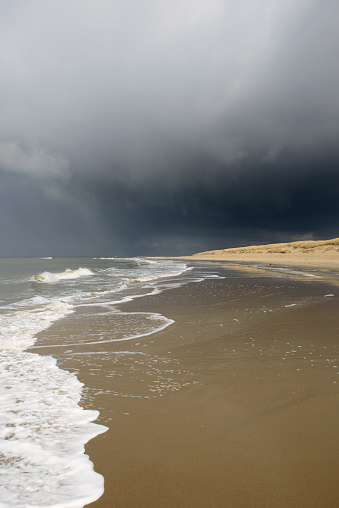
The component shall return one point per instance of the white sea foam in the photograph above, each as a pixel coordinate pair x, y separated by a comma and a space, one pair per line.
298, 272
67, 274
145, 278
30, 302
43, 429
149, 261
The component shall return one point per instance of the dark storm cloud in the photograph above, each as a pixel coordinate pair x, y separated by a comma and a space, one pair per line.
290, 196
167, 126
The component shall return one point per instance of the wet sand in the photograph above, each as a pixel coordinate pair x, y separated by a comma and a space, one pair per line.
233, 405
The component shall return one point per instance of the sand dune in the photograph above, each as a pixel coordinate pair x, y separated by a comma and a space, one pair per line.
321, 253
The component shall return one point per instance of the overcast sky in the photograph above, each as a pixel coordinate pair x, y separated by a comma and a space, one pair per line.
149, 127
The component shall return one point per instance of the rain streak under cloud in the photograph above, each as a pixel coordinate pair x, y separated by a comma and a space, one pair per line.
166, 127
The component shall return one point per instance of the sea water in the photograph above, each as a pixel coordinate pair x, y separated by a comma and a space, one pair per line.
43, 429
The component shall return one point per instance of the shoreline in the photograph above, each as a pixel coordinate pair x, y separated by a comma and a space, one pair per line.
228, 405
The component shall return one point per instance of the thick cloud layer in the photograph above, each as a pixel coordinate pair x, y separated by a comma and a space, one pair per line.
161, 127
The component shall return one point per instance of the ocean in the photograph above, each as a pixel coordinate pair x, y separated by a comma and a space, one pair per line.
43, 429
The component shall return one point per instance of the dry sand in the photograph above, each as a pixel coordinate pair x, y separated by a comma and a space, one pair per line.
234, 405
321, 254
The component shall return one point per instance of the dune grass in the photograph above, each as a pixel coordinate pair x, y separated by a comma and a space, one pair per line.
279, 248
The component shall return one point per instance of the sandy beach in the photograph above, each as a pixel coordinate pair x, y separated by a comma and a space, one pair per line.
233, 405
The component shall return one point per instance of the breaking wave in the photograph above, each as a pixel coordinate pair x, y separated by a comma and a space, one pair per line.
67, 274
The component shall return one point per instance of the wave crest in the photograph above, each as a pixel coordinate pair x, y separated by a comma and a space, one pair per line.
67, 274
